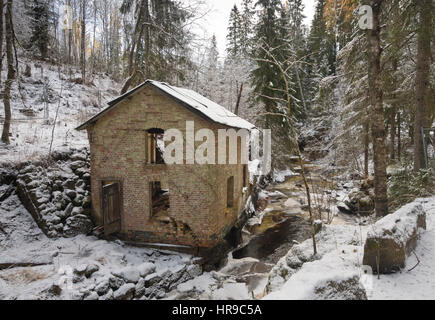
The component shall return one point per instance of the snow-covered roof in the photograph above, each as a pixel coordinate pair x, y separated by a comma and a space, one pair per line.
188, 98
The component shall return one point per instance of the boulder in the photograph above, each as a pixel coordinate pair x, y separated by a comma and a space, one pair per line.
103, 287
140, 289
115, 283
360, 202
107, 296
71, 193
77, 211
194, 270
91, 269
77, 164
146, 269
348, 289
92, 297
394, 238
76, 225
81, 269
129, 275
56, 289
155, 292
152, 279
126, 292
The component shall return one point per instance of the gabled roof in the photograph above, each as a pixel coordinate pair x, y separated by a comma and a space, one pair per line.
187, 98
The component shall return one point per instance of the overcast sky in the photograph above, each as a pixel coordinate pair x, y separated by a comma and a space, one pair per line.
217, 19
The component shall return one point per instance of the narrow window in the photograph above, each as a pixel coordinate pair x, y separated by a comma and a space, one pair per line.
155, 146
159, 197
230, 192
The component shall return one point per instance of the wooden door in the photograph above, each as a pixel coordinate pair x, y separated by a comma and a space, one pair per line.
111, 209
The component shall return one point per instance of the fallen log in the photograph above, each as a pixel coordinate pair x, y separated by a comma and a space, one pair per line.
5, 266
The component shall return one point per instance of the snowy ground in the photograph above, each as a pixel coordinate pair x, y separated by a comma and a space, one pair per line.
21, 241
48, 90
420, 282
341, 250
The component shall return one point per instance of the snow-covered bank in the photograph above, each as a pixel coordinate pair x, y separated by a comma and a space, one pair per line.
420, 282
81, 267
338, 273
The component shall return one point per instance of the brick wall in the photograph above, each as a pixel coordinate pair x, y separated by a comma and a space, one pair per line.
198, 193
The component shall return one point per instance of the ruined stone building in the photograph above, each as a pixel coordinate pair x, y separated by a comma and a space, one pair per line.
137, 196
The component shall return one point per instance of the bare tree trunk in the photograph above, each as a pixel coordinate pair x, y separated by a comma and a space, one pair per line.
69, 40
393, 133
366, 149
138, 31
399, 137
239, 97
393, 119
137, 38
11, 72
147, 41
83, 44
422, 79
1, 38
93, 38
377, 112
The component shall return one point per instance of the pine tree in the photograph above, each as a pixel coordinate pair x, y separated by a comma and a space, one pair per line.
269, 88
424, 55
246, 31
292, 18
160, 41
377, 111
1, 38
41, 16
234, 33
321, 46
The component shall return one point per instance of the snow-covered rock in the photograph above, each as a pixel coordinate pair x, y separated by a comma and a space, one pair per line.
334, 277
146, 269
393, 238
129, 274
126, 292
232, 291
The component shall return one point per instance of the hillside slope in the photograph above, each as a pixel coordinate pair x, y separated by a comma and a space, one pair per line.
35, 102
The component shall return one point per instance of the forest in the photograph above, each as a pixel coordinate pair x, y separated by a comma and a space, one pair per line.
349, 98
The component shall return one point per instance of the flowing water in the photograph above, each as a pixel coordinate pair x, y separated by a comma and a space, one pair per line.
285, 222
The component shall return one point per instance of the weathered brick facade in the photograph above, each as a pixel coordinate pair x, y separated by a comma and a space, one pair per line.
198, 193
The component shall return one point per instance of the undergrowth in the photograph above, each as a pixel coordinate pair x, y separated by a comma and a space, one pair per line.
404, 186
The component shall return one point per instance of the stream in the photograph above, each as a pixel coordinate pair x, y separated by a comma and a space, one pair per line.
281, 222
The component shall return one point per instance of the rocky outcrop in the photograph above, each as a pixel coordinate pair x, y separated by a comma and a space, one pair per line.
57, 193
348, 289
360, 200
140, 282
393, 238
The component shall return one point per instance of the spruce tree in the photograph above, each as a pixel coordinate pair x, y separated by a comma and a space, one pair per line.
247, 24
321, 46
40, 16
234, 33
159, 48
269, 89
